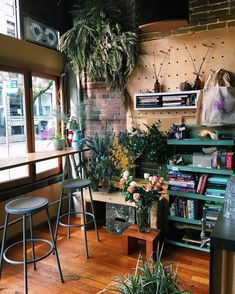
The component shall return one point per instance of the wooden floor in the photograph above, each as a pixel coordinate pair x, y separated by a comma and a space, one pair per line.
96, 273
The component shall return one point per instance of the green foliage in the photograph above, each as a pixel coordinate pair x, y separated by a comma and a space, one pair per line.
57, 135
98, 44
100, 165
156, 148
150, 278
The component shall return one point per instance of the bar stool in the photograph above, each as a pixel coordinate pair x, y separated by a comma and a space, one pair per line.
26, 207
73, 185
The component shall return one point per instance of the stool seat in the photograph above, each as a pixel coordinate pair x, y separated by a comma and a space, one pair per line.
75, 184
26, 205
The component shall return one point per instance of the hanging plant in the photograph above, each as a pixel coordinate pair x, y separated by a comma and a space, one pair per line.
98, 44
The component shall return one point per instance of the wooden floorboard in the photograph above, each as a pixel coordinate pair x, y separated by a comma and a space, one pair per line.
96, 273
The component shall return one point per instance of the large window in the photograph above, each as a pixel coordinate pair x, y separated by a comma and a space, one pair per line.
12, 122
23, 131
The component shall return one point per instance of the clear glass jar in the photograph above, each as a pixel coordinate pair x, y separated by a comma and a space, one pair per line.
229, 200
143, 219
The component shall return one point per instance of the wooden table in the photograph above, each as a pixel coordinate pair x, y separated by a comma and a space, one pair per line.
28, 158
131, 236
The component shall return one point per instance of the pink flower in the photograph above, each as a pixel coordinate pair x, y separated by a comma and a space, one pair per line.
161, 180
136, 197
131, 189
154, 179
157, 186
122, 181
148, 187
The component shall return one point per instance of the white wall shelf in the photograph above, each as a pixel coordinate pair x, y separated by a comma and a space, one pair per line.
166, 100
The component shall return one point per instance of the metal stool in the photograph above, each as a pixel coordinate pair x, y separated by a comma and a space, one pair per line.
26, 207
76, 185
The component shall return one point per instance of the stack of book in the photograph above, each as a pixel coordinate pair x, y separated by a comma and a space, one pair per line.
213, 210
183, 182
216, 186
223, 160
174, 100
149, 101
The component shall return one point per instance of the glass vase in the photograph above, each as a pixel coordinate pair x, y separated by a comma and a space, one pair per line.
76, 142
143, 219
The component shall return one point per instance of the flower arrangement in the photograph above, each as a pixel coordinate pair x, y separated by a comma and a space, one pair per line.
141, 195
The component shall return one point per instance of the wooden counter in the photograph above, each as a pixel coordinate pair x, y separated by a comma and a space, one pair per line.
222, 257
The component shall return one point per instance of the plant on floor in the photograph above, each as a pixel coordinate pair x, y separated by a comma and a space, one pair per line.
152, 277
98, 44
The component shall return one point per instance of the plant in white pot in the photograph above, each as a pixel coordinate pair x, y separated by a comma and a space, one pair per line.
58, 141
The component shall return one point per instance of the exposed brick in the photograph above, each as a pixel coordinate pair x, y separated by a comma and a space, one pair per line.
218, 1
231, 23
227, 17
199, 16
198, 28
218, 6
180, 31
208, 21
196, 3
200, 9
217, 26
232, 11
218, 13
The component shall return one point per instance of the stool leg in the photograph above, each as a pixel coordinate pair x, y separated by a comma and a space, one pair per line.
93, 212
54, 245
32, 241
25, 256
69, 214
58, 214
84, 224
3, 241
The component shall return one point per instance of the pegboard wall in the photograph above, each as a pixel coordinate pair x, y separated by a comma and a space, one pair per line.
173, 60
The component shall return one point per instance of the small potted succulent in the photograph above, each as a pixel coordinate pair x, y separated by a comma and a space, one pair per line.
58, 141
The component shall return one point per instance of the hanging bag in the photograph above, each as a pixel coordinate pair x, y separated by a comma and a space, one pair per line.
218, 105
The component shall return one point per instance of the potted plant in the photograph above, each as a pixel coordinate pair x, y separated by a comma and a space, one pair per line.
149, 277
100, 167
58, 141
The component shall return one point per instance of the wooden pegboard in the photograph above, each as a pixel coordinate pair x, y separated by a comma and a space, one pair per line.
178, 67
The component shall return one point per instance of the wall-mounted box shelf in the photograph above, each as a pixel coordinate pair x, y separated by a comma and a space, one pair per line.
166, 100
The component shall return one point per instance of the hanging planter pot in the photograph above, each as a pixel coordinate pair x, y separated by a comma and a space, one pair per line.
77, 137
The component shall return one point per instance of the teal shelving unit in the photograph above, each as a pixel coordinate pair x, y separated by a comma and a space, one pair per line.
177, 222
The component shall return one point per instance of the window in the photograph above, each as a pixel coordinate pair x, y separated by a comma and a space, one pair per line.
9, 18
16, 136
12, 121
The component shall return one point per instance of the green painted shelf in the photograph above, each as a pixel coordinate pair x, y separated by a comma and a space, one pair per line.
184, 220
186, 245
200, 169
195, 196
206, 142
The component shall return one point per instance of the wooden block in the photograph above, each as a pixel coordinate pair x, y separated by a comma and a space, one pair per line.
131, 236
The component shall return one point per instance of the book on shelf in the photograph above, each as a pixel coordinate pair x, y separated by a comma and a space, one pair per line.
199, 184
181, 189
221, 180
182, 183
203, 185
180, 175
229, 160
215, 192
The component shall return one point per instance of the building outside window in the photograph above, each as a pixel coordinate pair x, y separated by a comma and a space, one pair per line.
8, 18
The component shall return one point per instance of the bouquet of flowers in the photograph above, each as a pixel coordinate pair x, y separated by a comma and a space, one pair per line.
142, 195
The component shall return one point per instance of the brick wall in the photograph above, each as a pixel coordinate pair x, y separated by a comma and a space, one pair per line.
203, 15
104, 108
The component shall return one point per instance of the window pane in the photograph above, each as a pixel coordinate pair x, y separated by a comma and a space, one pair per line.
44, 95
8, 18
12, 122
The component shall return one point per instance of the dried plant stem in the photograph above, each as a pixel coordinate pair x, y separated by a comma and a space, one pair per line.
164, 60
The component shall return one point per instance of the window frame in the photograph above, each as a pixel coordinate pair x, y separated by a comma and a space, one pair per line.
28, 73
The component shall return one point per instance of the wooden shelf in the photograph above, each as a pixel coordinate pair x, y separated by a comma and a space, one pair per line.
195, 169
195, 196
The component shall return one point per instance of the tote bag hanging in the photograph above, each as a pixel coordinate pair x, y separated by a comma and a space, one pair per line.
218, 106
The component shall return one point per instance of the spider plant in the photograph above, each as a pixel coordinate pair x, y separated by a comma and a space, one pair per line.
153, 277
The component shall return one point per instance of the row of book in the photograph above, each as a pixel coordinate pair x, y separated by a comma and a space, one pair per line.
187, 208
223, 160
213, 211
203, 185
